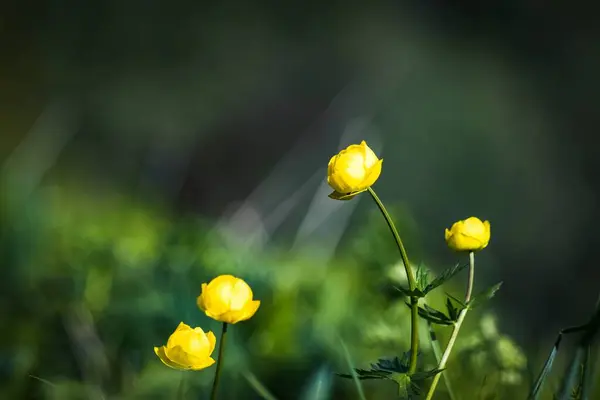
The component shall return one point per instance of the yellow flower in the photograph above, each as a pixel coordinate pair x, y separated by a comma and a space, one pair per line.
468, 235
352, 171
188, 349
227, 299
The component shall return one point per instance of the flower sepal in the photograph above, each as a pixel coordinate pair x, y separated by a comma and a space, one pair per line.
341, 196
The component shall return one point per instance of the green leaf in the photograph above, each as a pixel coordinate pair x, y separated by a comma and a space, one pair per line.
457, 301
452, 310
484, 296
404, 382
444, 277
421, 376
434, 316
422, 278
408, 293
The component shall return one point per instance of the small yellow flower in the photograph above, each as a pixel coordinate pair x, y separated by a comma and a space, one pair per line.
227, 299
468, 235
352, 171
188, 349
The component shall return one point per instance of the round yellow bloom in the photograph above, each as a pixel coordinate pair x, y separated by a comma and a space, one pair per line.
353, 170
468, 235
227, 299
188, 349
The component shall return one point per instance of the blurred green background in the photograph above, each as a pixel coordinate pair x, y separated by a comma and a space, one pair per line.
147, 147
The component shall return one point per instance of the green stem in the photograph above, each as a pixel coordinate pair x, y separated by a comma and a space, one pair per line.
181, 389
213, 394
412, 285
457, 325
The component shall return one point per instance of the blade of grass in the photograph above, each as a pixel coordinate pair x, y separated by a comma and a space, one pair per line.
258, 387
586, 375
359, 388
573, 374
319, 386
579, 359
541, 379
47, 382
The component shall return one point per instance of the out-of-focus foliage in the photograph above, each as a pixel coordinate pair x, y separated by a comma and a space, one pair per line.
93, 282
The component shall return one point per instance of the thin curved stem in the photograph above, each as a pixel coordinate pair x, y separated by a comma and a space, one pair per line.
412, 284
213, 394
457, 326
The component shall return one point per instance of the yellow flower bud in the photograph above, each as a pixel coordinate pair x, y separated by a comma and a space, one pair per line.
468, 235
353, 170
188, 349
227, 299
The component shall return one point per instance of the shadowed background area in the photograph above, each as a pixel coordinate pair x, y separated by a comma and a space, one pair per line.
147, 147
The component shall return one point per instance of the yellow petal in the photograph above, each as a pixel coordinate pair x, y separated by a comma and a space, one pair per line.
212, 341
200, 303
241, 294
205, 363
373, 175
331, 165
233, 317
447, 234
251, 309
178, 356
221, 280
180, 334
370, 157
216, 297
160, 352
183, 327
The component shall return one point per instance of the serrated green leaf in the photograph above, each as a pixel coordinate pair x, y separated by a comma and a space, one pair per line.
484, 296
452, 310
410, 293
456, 300
444, 277
421, 376
434, 316
362, 377
422, 278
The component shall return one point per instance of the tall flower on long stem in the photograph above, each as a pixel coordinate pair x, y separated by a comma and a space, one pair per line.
229, 300
352, 171
469, 236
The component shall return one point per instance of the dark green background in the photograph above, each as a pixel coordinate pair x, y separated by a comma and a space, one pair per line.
129, 130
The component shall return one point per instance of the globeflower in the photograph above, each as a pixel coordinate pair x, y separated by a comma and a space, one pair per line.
468, 235
352, 171
227, 299
188, 349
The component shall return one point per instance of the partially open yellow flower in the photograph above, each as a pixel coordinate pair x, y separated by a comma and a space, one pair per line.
468, 235
227, 299
188, 349
352, 171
